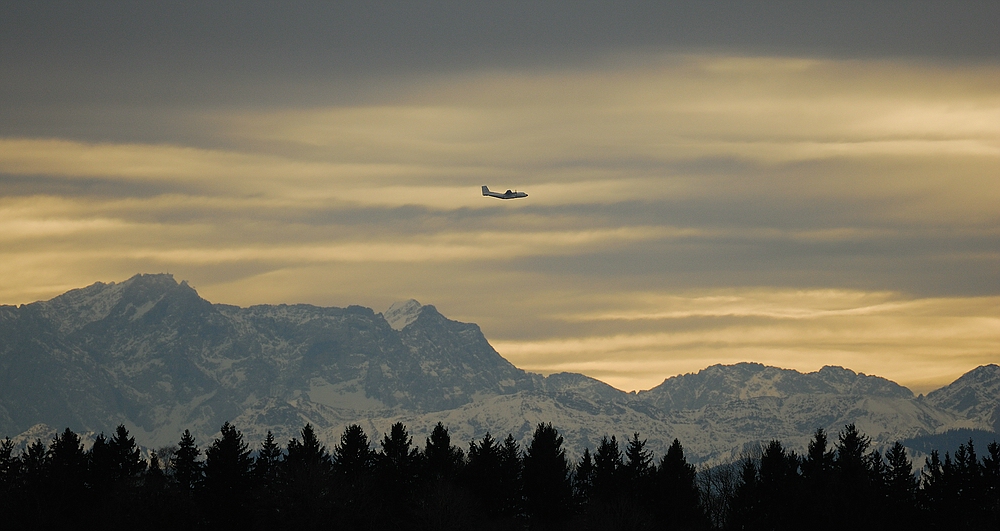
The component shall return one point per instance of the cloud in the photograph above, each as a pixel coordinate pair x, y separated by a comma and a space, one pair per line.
683, 209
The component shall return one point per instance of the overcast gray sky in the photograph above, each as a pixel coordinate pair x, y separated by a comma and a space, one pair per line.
794, 183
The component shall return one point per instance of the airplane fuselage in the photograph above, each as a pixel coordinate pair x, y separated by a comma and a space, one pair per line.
509, 194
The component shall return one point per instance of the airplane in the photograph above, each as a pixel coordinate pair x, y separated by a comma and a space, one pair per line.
506, 195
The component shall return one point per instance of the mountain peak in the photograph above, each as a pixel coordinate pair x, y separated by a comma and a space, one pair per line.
402, 313
972, 394
161, 280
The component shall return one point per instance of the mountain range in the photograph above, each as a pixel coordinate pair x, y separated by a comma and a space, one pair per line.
151, 354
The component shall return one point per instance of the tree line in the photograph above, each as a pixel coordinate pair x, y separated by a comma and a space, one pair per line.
495, 484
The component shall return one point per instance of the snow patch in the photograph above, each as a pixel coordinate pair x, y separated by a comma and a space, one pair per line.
344, 395
400, 314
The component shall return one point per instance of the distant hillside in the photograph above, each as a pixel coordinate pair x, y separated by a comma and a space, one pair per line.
950, 440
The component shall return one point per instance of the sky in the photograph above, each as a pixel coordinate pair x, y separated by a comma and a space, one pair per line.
798, 184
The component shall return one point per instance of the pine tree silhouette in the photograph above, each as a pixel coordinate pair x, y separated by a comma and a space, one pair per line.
608, 478
266, 465
355, 490
266, 484
187, 469
991, 485
67, 464
306, 480
228, 479
442, 460
583, 478
397, 467
778, 486
856, 478
483, 477
547, 490
817, 482
900, 486
511, 477
9, 468
353, 458
33, 483
128, 462
677, 491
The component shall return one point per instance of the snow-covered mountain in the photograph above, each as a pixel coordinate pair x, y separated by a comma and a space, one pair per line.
974, 396
152, 354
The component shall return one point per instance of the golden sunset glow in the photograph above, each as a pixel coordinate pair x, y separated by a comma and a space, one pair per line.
685, 208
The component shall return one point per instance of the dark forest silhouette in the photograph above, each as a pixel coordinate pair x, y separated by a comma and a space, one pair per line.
395, 484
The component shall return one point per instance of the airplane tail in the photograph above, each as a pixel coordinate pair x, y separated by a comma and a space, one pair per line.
486, 190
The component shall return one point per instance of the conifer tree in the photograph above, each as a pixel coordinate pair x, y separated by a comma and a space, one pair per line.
933, 490
398, 456
154, 503
818, 462
9, 467
353, 458
153, 479
638, 460
228, 465
639, 473
991, 485
857, 478
966, 481
308, 460
441, 503
353, 463
608, 466
67, 464
778, 486
100, 462
127, 462
583, 478
817, 478
852, 454
267, 482
482, 475
746, 504
677, 490
608, 496
900, 487
511, 477
116, 470
484, 457
265, 466
227, 478
548, 492
397, 465
442, 460
13, 486
31, 485
187, 469
35, 472
306, 479
34, 459
67, 460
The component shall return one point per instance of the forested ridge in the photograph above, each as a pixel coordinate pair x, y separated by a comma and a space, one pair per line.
494, 484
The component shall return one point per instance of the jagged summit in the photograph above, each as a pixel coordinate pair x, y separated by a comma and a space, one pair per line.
719, 384
79, 307
974, 394
402, 313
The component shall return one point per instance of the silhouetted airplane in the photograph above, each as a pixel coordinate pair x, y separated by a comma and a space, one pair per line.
506, 195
